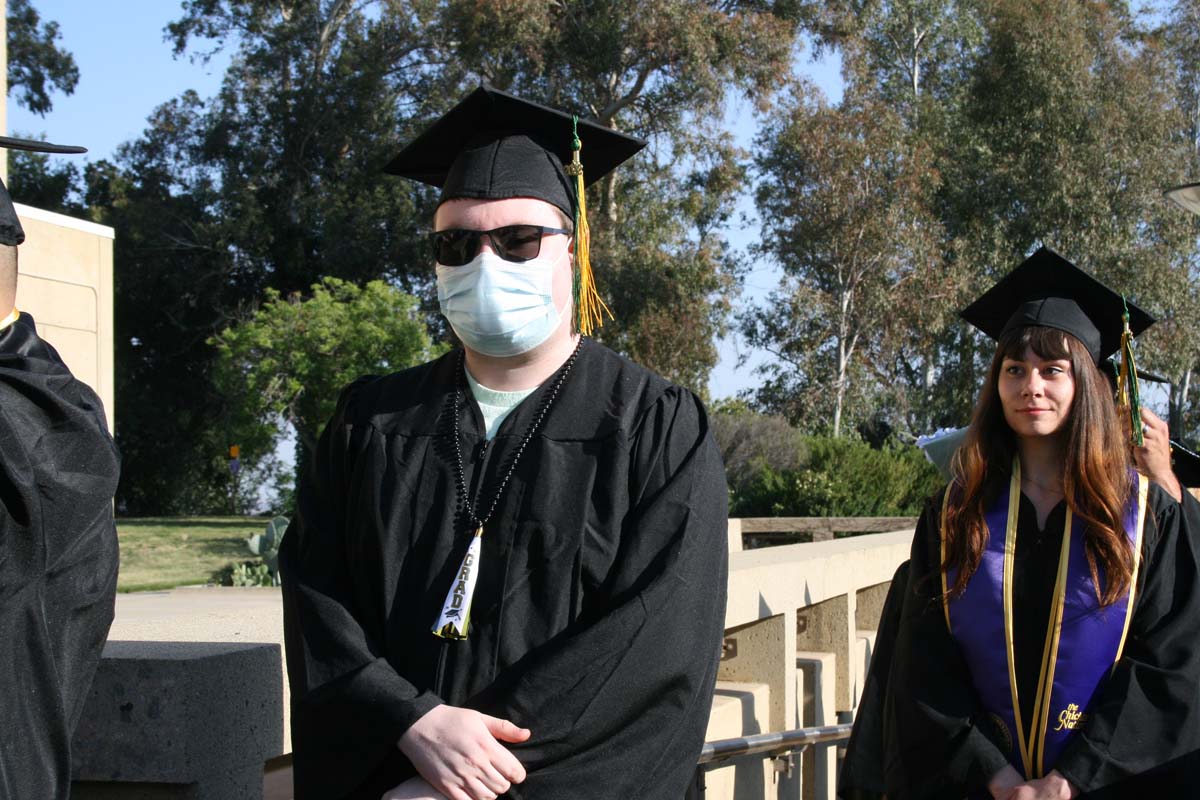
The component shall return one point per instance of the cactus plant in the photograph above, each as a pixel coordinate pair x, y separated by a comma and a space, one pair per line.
265, 545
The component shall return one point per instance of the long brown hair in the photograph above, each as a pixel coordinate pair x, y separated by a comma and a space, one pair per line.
1096, 470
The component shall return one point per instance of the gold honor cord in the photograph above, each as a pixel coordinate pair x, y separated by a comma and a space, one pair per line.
945, 590
1143, 495
12, 317
1050, 651
456, 611
1010, 550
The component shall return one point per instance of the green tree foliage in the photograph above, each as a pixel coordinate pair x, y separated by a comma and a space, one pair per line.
37, 65
840, 477
316, 99
773, 469
179, 283
37, 180
752, 443
287, 363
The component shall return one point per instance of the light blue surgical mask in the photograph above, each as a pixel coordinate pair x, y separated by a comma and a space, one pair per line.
497, 307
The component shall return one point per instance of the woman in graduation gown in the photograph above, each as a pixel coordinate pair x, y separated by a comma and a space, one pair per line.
1047, 641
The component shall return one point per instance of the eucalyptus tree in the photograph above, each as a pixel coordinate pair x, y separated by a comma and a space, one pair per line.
836, 203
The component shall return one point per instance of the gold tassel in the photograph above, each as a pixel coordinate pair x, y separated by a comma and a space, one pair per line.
1128, 396
589, 307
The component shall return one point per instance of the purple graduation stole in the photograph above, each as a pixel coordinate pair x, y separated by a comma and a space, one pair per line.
1083, 640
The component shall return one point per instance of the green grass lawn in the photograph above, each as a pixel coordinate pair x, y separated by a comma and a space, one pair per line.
161, 553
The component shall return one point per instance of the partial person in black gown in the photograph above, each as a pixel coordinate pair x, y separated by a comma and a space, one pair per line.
932, 713
58, 543
533, 607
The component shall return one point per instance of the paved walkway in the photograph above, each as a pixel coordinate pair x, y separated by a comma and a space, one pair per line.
201, 614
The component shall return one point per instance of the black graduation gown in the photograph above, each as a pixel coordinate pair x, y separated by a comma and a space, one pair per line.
1144, 725
861, 775
58, 559
599, 608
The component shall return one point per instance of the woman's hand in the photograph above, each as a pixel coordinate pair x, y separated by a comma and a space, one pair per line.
458, 752
413, 789
1154, 457
1052, 787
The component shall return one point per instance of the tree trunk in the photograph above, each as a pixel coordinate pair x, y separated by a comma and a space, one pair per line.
844, 348
608, 200
837, 409
1177, 402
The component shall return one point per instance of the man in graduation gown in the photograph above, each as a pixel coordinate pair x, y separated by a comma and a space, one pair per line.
58, 544
506, 576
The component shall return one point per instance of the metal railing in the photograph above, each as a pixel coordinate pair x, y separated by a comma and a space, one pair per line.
777, 746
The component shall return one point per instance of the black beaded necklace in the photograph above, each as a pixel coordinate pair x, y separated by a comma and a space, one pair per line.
548, 398
452, 623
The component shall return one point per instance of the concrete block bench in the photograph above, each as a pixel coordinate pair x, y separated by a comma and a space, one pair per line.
179, 720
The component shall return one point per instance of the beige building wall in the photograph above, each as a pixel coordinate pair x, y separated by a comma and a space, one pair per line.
65, 282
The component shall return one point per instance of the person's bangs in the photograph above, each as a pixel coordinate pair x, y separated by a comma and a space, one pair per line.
1048, 343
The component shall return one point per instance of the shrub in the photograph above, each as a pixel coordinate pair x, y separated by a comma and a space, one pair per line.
752, 444
841, 477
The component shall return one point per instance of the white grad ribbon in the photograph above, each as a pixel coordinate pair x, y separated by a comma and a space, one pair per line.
456, 613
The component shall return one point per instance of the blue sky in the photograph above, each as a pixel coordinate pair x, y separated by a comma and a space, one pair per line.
126, 69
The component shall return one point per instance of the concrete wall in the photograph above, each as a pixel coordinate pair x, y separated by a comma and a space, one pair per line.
65, 282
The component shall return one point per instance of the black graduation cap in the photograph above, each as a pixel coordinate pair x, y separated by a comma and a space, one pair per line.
1048, 290
493, 145
1185, 463
11, 233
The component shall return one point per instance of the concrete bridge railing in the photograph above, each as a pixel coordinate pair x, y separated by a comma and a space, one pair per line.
800, 627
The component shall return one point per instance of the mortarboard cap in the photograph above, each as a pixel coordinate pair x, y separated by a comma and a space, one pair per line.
493, 145
11, 233
1185, 463
939, 448
1047, 290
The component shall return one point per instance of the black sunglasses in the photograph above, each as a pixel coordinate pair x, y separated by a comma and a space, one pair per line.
517, 243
